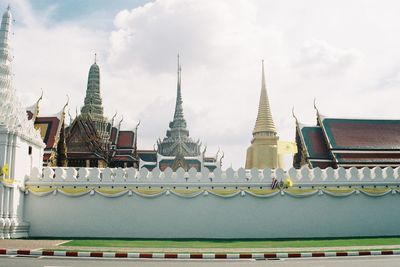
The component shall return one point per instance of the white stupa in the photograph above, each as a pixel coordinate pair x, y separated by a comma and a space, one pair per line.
21, 147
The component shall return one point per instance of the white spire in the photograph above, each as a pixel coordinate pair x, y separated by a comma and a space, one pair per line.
264, 124
12, 114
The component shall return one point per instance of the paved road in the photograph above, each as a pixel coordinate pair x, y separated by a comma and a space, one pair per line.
381, 261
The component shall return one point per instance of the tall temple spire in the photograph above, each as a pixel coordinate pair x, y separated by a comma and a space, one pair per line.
93, 102
12, 113
263, 152
177, 140
264, 123
5, 32
179, 120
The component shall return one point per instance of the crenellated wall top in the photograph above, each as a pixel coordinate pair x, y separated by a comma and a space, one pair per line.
107, 182
304, 176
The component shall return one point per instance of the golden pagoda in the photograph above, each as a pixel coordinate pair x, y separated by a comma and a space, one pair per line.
263, 152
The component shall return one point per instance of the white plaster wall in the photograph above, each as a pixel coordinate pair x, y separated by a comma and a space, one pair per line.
212, 216
25, 162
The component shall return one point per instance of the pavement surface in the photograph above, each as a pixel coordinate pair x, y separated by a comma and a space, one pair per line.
58, 245
382, 261
30, 243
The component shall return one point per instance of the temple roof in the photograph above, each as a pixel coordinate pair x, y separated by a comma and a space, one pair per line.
12, 113
264, 123
126, 139
49, 128
148, 155
313, 139
82, 136
177, 140
93, 102
362, 134
345, 142
33, 110
122, 139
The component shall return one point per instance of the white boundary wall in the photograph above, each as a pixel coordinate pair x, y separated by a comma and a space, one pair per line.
330, 203
212, 216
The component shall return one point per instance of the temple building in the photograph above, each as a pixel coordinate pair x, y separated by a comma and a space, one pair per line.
91, 139
177, 149
88, 136
344, 142
263, 152
52, 131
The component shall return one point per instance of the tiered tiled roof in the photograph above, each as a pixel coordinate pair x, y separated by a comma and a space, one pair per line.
340, 142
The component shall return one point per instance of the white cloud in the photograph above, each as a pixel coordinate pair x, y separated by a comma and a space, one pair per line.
337, 52
317, 57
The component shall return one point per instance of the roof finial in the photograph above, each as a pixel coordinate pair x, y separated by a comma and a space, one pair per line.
220, 160
8, 7
205, 149
216, 155
315, 106
64, 112
70, 118
137, 125
95, 58
41, 95
294, 115
120, 122
66, 104
113, 118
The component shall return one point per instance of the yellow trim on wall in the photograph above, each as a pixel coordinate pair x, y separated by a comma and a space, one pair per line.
193, 192
74, 191
262, 192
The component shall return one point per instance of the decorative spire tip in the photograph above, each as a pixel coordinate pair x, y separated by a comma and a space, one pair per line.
294, 115
315, 106
41, 95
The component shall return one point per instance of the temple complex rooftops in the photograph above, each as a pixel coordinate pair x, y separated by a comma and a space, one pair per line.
49, 126
177, 149
362, 134
346, 142
90, 139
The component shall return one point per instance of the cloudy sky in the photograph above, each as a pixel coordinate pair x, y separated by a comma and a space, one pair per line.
344, 53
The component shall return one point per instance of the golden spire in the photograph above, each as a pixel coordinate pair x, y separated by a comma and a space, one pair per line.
264, 124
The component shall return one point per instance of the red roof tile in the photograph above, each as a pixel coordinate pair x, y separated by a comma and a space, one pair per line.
125, 139
363, 134
48, 129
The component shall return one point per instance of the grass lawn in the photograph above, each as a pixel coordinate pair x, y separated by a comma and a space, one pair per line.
237, 243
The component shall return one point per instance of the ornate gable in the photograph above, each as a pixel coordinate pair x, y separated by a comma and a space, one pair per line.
82, 137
